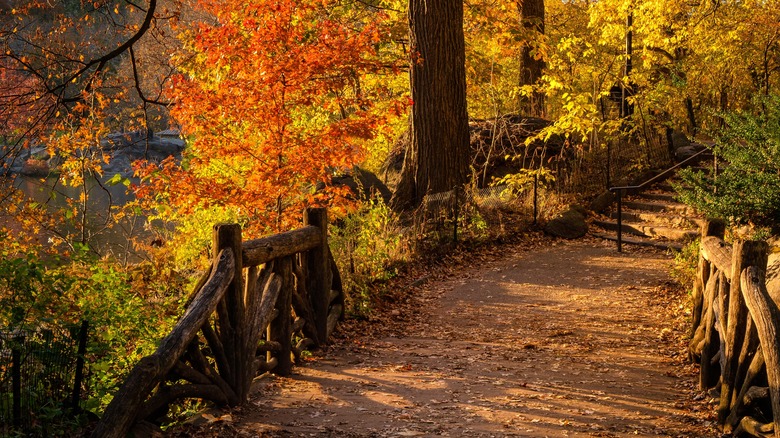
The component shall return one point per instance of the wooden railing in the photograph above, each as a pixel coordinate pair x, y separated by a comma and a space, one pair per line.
238, 323
735, 334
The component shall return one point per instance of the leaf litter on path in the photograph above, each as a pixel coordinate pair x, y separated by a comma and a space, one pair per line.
570, 339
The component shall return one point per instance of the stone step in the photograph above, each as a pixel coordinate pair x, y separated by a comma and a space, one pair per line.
650, 230
677, 246
658, 206
670, 219
656, 196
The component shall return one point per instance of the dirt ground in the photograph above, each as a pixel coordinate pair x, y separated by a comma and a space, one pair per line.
559, 339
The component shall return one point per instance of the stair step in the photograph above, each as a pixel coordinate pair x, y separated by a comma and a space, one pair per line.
657, 196
677, 246
650, 230
658, 206
669, 219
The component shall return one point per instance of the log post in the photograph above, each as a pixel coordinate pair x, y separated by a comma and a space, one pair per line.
232, 317
318, 271
708, 376
766, 316
280, 329
714, 228
745, 254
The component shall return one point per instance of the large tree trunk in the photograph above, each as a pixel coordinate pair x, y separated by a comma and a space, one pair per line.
437, 156
531, 64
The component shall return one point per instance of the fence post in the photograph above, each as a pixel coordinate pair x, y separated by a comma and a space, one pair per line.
79, 377
536, 197
716, 228
746, 253
318, 271
16, 380
456, 211
232, 314
280, 329
619, 220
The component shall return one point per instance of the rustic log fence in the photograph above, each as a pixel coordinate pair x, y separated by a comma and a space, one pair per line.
736, 334
262, 302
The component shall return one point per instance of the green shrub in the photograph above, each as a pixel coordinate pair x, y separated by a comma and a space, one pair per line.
747, 189
367, 245
685, 264
129, 310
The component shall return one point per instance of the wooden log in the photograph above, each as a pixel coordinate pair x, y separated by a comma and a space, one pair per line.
754, 428
298, 324
336, 285
750, 346
302, 345
232, 317
718, 253
186, 372
215, 345
280, 330
265, 366
756, 395
722, 299
263, 313
199, 361
318, 276
147, 374
709, 229
709, 373
737, 410
766, 316
268, 346
697, 295
302, 305
746, 253
168, 394
258, 251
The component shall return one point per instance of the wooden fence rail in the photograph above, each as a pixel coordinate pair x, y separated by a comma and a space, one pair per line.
257, 297
734, 334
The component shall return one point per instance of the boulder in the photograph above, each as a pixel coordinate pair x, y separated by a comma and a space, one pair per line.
602, 202
362, 183
570, 224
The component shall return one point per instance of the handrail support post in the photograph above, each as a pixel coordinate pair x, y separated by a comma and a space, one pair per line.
619, 220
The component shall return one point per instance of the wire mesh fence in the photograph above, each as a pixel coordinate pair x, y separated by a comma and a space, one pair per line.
41, 375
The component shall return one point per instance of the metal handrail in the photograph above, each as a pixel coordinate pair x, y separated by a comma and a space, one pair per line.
622, 189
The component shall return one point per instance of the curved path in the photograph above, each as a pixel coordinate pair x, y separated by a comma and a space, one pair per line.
569, 339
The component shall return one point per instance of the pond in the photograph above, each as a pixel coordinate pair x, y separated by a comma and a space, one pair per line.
103, 237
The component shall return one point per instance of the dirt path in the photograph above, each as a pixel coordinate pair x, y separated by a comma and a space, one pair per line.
568, 340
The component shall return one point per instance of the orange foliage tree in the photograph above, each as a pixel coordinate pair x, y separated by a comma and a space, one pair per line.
270, 97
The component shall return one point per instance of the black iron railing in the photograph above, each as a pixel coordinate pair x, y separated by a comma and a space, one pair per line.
622, 190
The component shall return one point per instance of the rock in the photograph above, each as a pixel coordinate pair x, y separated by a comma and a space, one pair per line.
362, 183
570, 224
683, 152
602, 202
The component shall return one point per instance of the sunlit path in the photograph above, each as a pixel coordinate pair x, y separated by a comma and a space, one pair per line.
571, 339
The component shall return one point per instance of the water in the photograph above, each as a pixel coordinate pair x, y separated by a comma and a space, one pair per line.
103, 236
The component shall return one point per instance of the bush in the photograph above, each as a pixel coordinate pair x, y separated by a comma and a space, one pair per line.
366, 245
747, 190
686, 262
128, 309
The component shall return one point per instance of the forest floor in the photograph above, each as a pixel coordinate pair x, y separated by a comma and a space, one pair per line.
543, 338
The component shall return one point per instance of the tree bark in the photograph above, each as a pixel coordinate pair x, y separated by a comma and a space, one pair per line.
531, 64
437, 156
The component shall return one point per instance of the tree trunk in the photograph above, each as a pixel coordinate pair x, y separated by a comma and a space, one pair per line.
531, 65
437, 156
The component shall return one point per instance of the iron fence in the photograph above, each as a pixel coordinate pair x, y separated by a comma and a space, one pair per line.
41, 375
